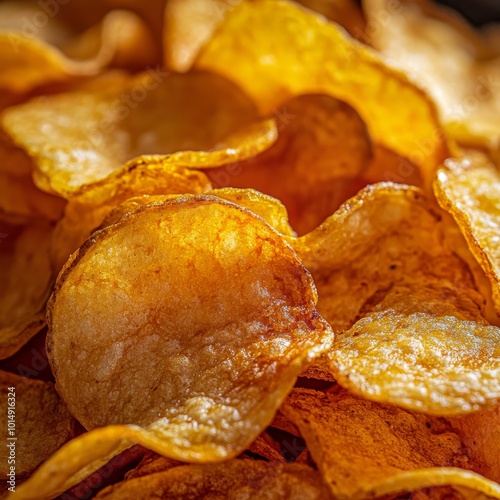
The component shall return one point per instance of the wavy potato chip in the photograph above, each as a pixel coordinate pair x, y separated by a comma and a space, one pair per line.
28, 61
365, 450
233, 479
26, 283
257, 47
36, 421
78, 138
459, 68
88, 208
469, 189
322, 145
413, 331
248, 352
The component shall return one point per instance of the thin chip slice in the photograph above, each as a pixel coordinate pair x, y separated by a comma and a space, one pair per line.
26, 283
88, 208
413, 332
169, 293
28, 61
322, 143
233, 479
37, 423
365, 450
257, 47
78, 138
460, 68
469, 189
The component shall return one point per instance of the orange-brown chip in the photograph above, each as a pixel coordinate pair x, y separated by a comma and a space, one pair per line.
322, 145
36, 424
233, 479
26, 283
257, 46
88, 208
481, 434
365, 450
197, 281
469, 189
81, 137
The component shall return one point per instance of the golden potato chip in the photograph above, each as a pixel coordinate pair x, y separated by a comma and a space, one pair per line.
257, 47
78, 138
365, 450
322, 143
28, 61
26, 284
36, 424
458, 67
481, 434
233, 479
413, 331
469, 188
87, 209
249, 351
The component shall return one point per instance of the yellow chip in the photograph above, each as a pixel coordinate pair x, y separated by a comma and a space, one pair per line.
28, 61
81, 137
88, 208
257, 47
26, 284
322, 145
168, 294
233, 479
366, 450
460, 68
413, 332
469, 189
36, 424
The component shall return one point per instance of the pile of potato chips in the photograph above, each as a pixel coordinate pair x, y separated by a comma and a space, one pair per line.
249, 249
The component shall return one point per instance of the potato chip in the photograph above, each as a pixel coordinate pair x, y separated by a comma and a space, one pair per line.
458, 67
28, 61
87, 209
365, 450
78, 138
152, 463
249, 351
322, 143
233, 479
469, 189
26, 284
481, 434
413, 332
257, 47
264, 446
36, 423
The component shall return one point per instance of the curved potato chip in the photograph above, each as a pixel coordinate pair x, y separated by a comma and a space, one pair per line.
257, 46
251, 349
28, 61
322, 142
365, 450
469, 189
422, 341
26, 285
447, 59
93, 203
481, 434
37, 423
78, 138
233, 479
